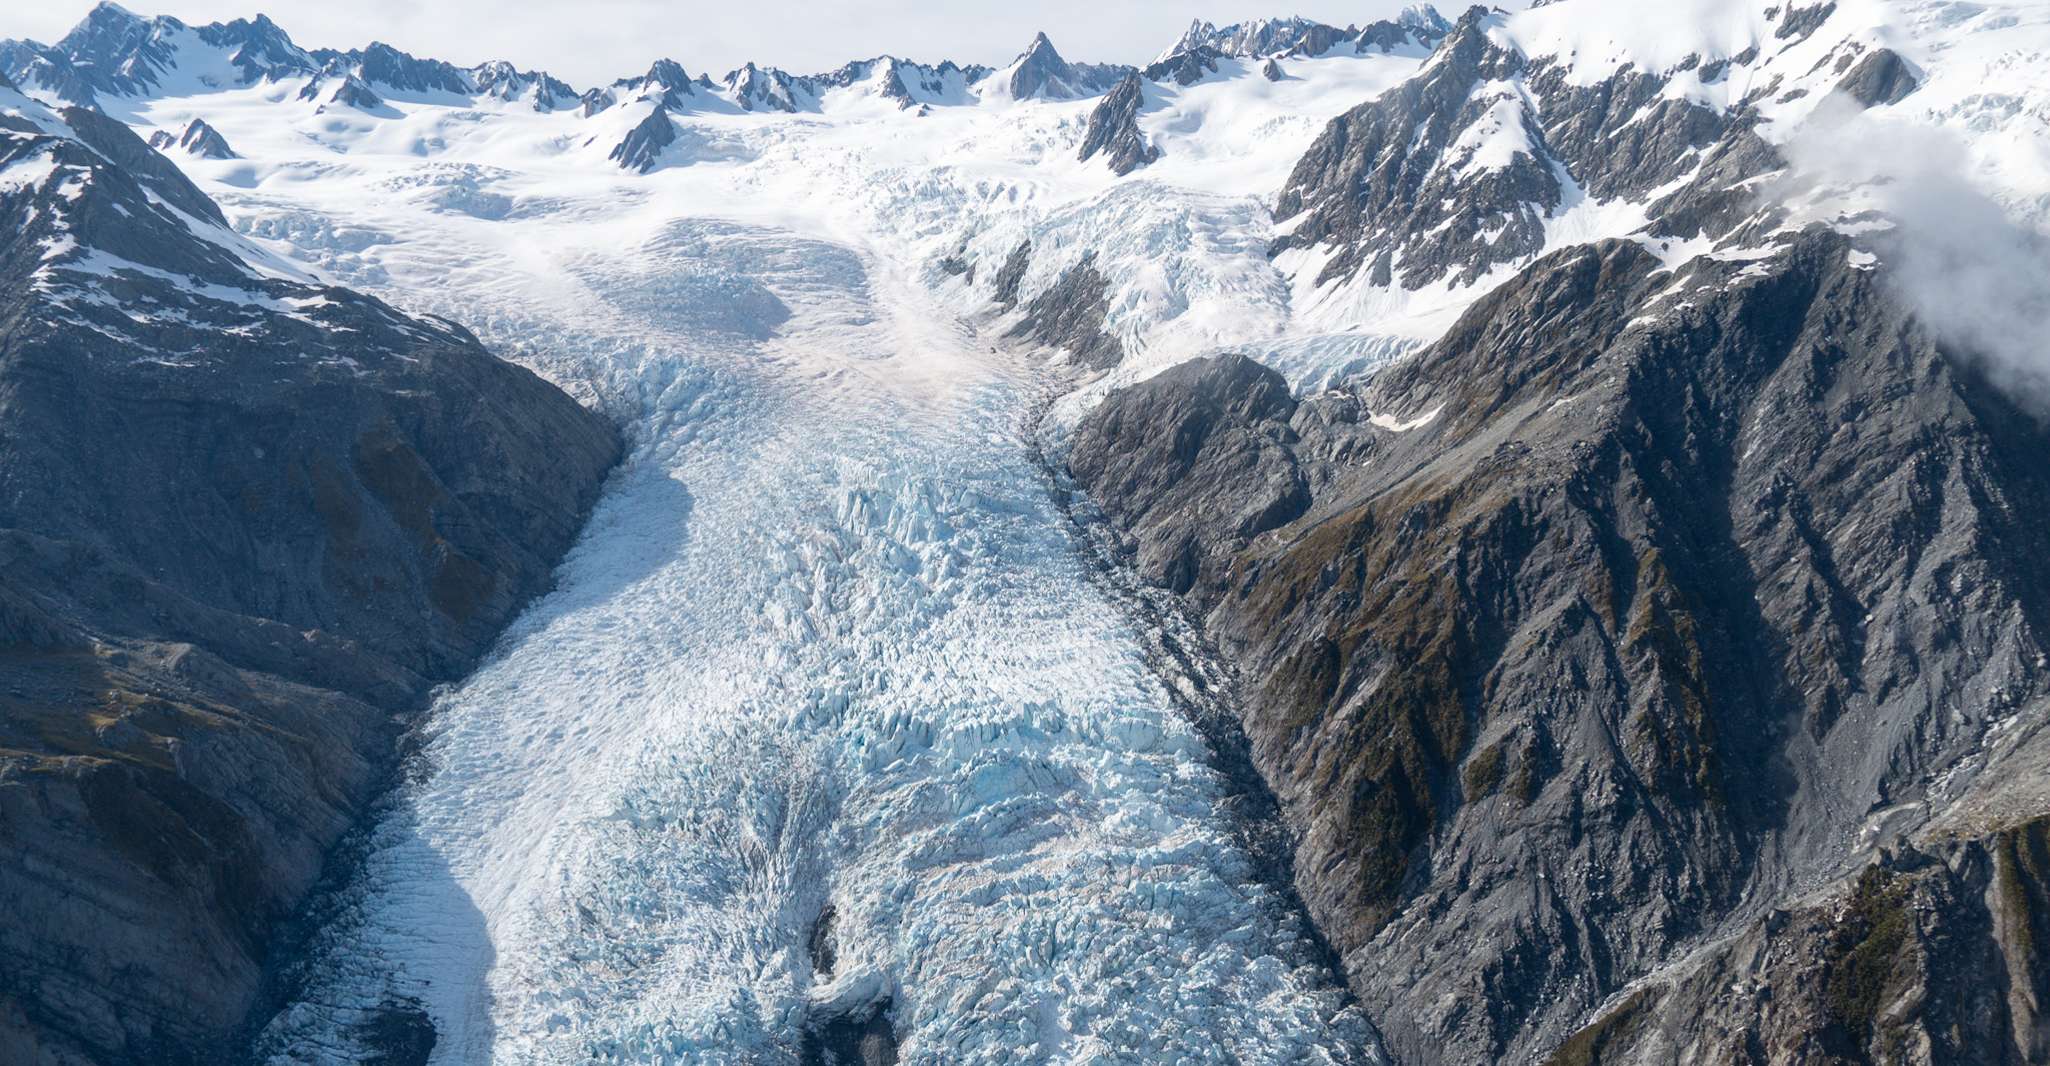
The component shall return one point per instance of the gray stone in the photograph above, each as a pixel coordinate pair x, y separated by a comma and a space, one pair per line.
237, 549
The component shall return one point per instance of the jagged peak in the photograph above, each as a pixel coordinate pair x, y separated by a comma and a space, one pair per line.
1041, 50
1041, 71
668, 72
1421, 16
197, 138
106, 14
665, 74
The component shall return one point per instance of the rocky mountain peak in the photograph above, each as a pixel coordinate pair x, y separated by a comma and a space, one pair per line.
1424, 19
109, 27
641, 149
1114, 128
666, 80
113, 50
757, 88
501, 80
198, 139
391, 69
1041, 72
261, 48
1038, 68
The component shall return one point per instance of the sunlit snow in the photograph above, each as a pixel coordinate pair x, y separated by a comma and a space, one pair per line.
826, 640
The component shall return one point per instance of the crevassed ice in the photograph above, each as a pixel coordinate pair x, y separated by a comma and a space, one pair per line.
825, 641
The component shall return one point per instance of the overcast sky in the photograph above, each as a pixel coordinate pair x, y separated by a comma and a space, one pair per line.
589, 41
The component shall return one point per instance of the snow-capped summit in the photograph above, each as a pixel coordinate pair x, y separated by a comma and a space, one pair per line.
903, 82
114, 52
665, 81
111, 50
756, 88
503, 81
259, 48
1419, 26
1425, 19
197, 139
1039, 72
391, 70
1259, 37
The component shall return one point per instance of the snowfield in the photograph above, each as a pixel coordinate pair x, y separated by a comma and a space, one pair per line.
827, 644
827, 641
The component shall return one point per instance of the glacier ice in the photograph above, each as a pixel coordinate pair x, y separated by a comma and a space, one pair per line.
825, 641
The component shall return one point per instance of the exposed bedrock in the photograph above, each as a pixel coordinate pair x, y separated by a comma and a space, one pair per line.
245, 525
1638, 606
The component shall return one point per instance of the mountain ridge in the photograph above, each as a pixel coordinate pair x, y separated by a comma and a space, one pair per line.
1622, 557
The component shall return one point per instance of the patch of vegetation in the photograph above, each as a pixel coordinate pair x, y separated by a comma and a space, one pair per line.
1609, 1038
2023, 870
1866, 950
1483, 772
1664, 630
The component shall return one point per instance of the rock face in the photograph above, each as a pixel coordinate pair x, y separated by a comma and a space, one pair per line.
387, 67
1114, 128
503, 81
1457, 172
1606, 627
198, 138
1184, 67
1923, 957
641, 149
666, 82
1420, 27
1040, 73
754, 88
1070, 314
246, 524
348, 92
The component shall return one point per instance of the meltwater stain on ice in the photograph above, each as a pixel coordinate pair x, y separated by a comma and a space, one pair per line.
826, 749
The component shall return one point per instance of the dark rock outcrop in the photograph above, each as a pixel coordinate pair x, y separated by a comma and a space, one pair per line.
245, 525
501, 80
1881, 77
1004, 287
348, 92
1040, 72
198, 139
1186, 67
1114, 128
641, 149
388, 68
1452, 175
1635, 607
1070, 315
1164, 449
1925, 956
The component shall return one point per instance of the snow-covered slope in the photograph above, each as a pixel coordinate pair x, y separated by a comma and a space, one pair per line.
1573, 121
925, 164
829, 593
827, 669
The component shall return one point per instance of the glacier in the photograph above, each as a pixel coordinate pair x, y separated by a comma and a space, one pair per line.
827, 641
829, 645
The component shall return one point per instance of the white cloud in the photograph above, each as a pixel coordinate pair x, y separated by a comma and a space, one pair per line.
1971, 270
